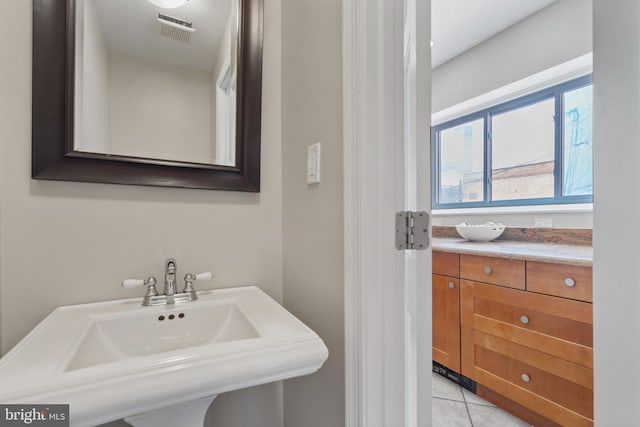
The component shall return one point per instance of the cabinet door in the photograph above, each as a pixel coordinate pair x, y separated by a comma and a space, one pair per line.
446, 321
557, 326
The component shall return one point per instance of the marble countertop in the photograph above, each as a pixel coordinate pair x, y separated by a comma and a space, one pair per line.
581, 255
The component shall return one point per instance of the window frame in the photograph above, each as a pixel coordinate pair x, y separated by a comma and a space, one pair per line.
555, 92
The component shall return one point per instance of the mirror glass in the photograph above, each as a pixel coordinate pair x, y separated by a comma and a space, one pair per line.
156, 79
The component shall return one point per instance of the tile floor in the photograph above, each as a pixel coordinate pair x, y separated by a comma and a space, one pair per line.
454, 406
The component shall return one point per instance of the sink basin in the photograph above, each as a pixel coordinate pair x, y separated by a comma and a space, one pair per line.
139, 333
117, 359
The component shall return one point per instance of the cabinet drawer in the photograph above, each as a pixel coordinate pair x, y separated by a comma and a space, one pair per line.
498, 271
566, 281
556, 389
445, 263
556, 326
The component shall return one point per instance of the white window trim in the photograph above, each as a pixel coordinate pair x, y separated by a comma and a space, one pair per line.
517, 210
572, 69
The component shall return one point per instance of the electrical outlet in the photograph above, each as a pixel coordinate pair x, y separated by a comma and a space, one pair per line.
542, 222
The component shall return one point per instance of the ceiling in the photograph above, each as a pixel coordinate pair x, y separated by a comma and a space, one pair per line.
459, 25
130, 27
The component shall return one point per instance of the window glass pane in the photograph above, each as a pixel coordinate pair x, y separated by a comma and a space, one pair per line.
578, 143
461, 163
522, 147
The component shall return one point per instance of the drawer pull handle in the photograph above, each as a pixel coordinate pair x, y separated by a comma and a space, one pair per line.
487, 270
569, 282
451, 285
524, 320
525, 378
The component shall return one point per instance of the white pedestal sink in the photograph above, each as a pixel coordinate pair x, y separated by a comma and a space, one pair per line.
190, 414
157, 366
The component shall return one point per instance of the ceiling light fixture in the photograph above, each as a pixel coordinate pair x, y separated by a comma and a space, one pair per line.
431, 43
168, 4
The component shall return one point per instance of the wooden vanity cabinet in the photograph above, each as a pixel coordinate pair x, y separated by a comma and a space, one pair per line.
446, 310
530, 346
526, 335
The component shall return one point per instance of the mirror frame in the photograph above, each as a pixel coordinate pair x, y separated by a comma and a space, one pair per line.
53, 156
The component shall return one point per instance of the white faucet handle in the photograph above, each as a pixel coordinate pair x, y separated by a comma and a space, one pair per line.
134, 283
190, 278
204, 276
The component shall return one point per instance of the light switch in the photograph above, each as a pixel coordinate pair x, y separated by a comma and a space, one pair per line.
313, 164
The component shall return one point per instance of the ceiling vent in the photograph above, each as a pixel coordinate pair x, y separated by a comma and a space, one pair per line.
175, 28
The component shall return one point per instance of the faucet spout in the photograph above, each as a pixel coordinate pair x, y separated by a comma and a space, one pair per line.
171, 294
171, 269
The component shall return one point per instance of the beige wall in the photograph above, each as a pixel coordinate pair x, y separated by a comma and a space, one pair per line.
65, 243
160, 111
313, 215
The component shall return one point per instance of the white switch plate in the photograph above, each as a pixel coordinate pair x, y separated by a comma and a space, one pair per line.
313, 164
542, 222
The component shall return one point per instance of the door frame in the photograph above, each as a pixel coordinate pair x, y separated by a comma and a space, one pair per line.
374, 190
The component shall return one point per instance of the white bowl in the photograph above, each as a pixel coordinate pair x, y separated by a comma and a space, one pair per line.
480, 233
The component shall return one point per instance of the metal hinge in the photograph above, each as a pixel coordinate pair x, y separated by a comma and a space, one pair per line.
412, 230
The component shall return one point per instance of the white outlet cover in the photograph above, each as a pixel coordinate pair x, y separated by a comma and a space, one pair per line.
543, 222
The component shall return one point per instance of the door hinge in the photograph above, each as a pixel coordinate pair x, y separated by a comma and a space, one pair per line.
412, 230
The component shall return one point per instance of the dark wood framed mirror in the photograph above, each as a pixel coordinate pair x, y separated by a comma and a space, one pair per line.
57, 156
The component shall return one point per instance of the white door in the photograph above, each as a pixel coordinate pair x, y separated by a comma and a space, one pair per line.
386, 140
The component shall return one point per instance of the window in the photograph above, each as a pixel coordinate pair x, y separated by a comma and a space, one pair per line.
534, 150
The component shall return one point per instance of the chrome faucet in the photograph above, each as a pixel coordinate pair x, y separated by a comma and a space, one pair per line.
171, 296
170, 270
